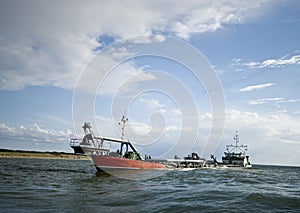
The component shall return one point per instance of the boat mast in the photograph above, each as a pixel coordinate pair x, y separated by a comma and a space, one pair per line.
236, 138
242, 148
123, 123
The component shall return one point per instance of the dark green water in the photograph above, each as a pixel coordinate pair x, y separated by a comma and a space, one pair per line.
39, 185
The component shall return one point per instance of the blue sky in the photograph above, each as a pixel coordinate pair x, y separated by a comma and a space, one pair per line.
48, 54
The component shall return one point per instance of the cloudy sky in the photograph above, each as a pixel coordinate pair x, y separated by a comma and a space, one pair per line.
62, 63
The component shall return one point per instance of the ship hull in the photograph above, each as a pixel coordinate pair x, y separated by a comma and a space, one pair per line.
236, 161
108, 163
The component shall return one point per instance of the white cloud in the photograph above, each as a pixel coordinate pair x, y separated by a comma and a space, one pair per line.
280, 62
274, 100
160, 38
33, 133
274, 125
122, 79
268, 63
149, 39
205, 16
42, 43
256, 87
152, 103
176, 112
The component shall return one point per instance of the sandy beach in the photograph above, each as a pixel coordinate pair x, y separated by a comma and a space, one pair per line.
44, 155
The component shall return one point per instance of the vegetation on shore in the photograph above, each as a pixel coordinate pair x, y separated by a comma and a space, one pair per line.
6, 153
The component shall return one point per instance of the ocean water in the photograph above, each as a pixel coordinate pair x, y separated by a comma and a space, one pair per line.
43, 185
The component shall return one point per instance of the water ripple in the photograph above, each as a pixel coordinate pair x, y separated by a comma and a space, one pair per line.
34, 185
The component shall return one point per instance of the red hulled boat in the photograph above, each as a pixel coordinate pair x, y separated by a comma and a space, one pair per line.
126, 157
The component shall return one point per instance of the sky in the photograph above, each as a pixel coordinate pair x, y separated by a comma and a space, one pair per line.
189, 74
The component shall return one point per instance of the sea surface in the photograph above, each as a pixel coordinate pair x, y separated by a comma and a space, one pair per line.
47, 185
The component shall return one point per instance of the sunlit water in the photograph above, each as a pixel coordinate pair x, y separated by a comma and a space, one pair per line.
40, 185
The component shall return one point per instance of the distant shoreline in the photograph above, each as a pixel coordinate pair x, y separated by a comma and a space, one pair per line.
6, 153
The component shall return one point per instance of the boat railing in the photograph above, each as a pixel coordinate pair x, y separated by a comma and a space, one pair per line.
74, 142
102, 144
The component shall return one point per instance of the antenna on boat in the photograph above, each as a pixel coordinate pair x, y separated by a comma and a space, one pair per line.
236, 138
242, 148
123, 123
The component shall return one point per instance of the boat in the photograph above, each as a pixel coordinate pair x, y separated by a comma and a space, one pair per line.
235, 155
111, 154
188, 163
124, 157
